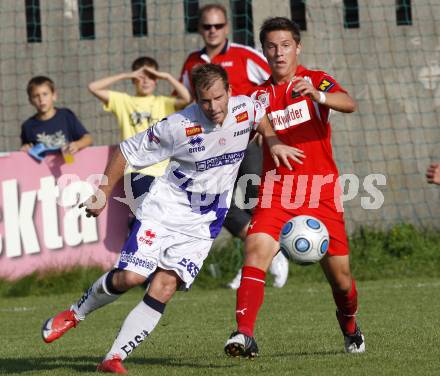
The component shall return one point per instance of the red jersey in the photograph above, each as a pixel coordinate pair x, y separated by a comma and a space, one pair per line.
246, 67
302, 123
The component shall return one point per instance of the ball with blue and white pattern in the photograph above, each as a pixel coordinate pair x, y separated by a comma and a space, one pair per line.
304, 240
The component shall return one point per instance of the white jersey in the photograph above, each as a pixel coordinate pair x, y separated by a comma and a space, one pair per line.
194, 194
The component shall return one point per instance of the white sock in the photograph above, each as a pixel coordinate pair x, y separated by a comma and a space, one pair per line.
95, 297
137, 326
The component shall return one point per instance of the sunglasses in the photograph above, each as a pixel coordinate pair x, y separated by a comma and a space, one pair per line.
208, 27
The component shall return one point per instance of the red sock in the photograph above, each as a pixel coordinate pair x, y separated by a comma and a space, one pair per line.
347, 309
250, 296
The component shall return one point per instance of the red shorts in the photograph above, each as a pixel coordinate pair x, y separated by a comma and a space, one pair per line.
271, 220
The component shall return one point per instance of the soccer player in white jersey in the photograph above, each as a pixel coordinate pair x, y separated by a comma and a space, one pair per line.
182, 214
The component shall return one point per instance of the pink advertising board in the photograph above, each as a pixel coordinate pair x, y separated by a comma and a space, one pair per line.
41, 226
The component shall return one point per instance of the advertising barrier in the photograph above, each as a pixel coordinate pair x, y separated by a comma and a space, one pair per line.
41, 226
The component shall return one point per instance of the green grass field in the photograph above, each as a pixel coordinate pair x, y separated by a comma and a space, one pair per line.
296, 332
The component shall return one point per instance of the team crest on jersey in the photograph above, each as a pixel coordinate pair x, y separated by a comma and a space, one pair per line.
325, 85
243, 116
263, 98
196, 144
192, 131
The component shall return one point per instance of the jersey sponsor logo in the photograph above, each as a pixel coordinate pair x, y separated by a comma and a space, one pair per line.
190, 267
292, 115
192, 131
196, 143
221, 160
326, 85
151, 136
241, 105
147, 238
241, 132
228, 64
137, 261
242, 117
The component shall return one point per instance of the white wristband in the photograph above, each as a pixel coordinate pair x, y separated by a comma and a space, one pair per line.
322, 98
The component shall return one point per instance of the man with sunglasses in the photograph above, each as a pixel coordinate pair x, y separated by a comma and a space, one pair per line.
246, 69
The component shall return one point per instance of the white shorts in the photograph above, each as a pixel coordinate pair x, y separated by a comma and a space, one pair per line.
151, 245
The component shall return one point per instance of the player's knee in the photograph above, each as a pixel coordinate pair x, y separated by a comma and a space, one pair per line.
257, 254
342, 284
167, 291
126, 280
163, 286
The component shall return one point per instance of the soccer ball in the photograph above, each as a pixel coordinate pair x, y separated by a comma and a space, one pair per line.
304, 240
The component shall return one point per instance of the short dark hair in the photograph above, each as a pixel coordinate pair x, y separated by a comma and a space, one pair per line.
144, 60
38, 81
208, 7
279, 23
204, 76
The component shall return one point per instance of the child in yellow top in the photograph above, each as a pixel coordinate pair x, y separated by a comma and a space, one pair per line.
135, 113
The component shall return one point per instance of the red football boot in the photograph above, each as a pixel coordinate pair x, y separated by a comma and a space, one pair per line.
56, 326
113, 365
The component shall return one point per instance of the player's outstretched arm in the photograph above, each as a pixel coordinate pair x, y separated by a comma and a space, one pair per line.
281, 153
114, 171
338, 101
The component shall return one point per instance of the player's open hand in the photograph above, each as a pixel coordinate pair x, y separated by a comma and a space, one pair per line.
304, 87
282, 153
433, 173
94, 205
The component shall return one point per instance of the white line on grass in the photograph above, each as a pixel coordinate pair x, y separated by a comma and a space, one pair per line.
17, 309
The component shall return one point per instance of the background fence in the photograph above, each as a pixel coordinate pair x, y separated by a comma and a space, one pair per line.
386, 53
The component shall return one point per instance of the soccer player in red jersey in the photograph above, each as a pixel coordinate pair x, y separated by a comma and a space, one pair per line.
298, 102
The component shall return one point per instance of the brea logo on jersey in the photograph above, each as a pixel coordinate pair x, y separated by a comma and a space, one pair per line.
242, 117
292, 115
192, 131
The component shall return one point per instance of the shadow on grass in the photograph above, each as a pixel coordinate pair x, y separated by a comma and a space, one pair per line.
307, 354
19, 365
88, 364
